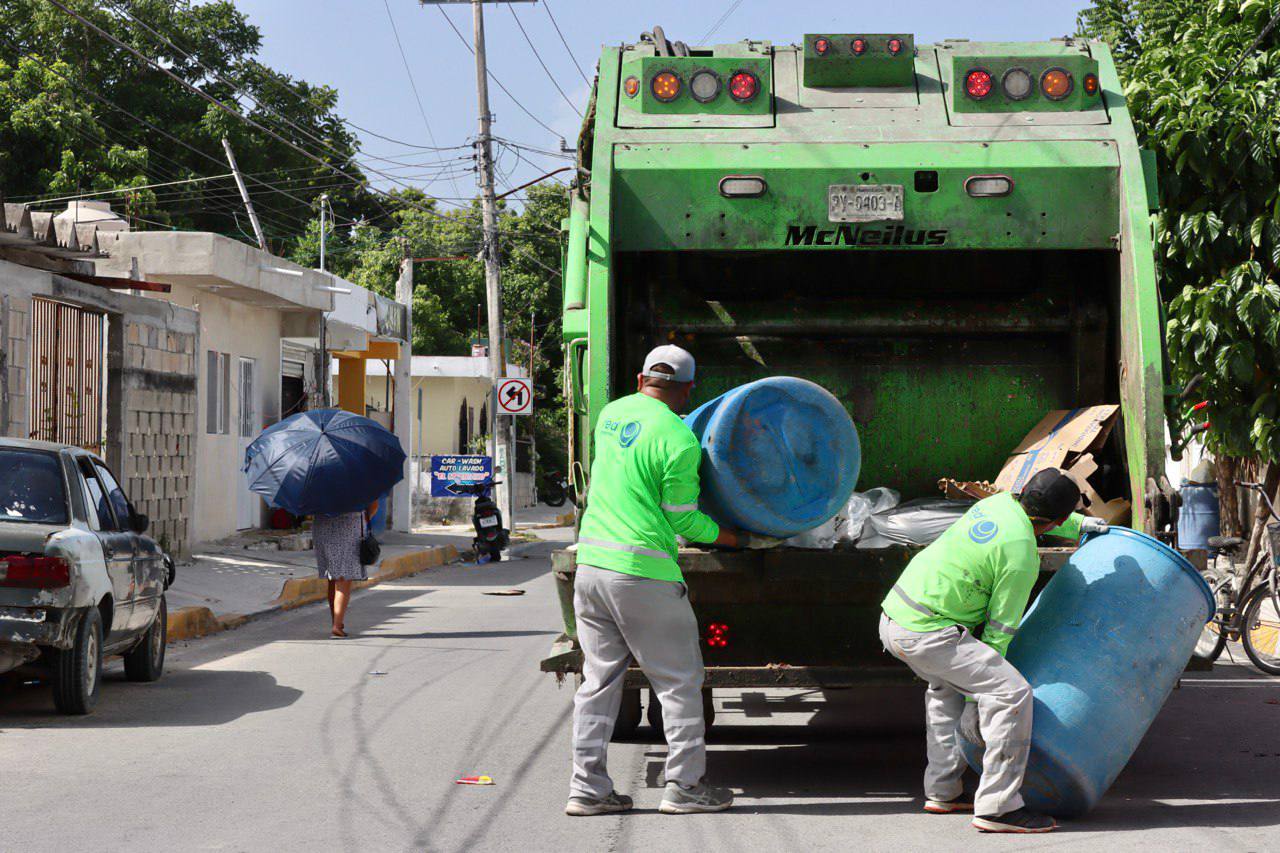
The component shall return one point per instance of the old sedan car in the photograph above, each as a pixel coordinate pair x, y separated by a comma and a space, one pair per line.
79, 579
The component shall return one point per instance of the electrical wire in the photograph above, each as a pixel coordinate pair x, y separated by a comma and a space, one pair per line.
413, 84
1244, 54
492, 77
538, 56
237, 115
240, 90
720, 22
546, 4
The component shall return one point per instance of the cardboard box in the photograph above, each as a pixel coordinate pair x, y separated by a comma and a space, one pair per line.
1058, 441
1114, 511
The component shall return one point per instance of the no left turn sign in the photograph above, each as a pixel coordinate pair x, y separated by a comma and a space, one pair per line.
515, 396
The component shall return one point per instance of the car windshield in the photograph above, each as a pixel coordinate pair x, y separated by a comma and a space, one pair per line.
31, 487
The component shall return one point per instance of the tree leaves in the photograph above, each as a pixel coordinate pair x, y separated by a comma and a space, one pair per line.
1218, 232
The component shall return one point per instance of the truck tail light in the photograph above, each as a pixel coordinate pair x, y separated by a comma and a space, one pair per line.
1090, 84
742, 186
666, 86
744, 86
631, 86
34, 572
858, 46
717, 635
704, 86
977, 83
895, 47
821, 46
1056, 84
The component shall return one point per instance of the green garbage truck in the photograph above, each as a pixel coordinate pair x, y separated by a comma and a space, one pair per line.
952, 238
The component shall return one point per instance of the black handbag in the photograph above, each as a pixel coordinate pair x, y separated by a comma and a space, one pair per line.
370, 549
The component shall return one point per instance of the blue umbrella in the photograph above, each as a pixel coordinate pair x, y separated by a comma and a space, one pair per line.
324, 462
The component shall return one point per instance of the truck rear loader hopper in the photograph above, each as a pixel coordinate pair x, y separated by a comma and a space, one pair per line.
953, 239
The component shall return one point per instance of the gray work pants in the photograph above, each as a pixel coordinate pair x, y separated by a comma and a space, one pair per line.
956, 665
621, 617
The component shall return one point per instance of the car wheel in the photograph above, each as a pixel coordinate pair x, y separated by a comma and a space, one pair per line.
78, 670
145, 662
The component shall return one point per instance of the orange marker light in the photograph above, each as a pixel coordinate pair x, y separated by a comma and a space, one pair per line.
1091, 84
1056, 84
665, 86
631, 86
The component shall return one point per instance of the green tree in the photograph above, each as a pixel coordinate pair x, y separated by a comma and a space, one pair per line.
79, 114
1218, 230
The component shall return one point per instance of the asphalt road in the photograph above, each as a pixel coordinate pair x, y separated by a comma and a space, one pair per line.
272, 737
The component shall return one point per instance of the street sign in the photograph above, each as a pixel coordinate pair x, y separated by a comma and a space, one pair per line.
450, 475
515, 396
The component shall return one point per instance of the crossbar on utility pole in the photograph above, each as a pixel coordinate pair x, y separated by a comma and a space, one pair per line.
501, 427
244, 194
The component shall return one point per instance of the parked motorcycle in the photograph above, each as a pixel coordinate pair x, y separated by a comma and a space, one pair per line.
555, 489
491, 537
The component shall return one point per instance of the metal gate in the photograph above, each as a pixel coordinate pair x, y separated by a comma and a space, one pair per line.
67, 379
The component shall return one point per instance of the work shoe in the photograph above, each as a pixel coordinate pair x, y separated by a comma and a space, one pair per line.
961, 803
700, 798
1020, 820
586, 806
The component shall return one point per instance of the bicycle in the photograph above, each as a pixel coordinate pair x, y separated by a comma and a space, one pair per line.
1250, 613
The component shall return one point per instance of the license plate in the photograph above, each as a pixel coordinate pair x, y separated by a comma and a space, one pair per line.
489, 521
864, 202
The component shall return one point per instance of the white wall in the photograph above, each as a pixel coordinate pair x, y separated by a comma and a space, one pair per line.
240, 330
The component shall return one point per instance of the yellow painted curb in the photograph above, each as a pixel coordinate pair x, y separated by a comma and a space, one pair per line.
299, 591
187, 623
566, 520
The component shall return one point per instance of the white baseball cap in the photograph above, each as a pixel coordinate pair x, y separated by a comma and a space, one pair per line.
679, 360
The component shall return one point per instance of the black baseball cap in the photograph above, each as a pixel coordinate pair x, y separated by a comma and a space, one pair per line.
1050, 495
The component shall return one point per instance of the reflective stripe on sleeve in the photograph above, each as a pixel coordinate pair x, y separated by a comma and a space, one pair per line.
679, 507
911, 602
1001, 627
632, 549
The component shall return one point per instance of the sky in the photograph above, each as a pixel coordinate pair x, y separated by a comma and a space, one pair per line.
351, 45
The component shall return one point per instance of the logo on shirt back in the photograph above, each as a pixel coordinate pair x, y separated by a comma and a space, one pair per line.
629, 433
983, 531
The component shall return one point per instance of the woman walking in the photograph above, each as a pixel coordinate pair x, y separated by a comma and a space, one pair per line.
337, 540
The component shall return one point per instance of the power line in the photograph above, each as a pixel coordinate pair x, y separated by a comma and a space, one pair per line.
240, 90
492, 77
235, 114
413, 84
720, 22
538, 57
1275, 19
547, 5
155, 128
125, 190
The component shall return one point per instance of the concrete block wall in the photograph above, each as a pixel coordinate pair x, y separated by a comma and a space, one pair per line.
15, 355
158, 429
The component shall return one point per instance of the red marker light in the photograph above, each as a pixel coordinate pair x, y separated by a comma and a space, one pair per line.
977, 83
717, 635
858, 46
821, 46
1091, 84
895, 46
743, 86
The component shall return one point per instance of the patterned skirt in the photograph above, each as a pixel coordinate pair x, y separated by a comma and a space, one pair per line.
337, 540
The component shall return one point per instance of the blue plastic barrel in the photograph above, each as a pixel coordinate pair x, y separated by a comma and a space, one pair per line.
1198, 518
779, 456
1102, 648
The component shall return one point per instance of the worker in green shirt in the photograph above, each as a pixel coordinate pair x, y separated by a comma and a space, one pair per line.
629, 596
979, 572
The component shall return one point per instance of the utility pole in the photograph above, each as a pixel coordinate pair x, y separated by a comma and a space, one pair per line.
501, 427
244, 194
324, 371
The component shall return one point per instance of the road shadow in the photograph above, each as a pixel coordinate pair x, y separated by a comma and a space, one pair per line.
183, 698
1209, 760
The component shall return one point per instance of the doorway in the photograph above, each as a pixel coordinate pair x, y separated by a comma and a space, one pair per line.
248, 505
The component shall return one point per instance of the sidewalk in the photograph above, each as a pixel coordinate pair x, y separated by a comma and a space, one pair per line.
230, 581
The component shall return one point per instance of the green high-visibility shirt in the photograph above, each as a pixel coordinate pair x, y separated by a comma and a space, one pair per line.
980, 571
644, 491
